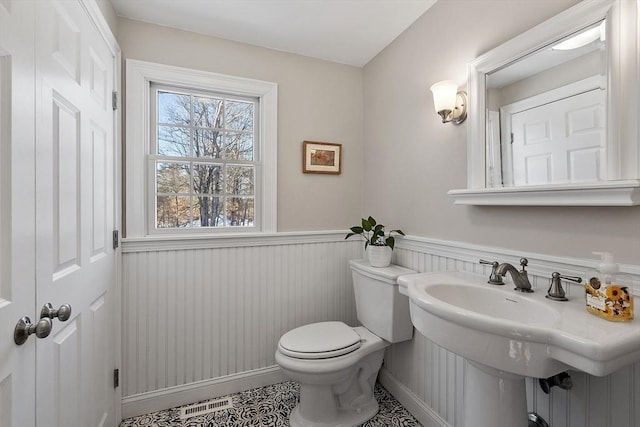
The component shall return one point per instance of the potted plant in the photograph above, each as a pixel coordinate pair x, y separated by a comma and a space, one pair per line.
377, 244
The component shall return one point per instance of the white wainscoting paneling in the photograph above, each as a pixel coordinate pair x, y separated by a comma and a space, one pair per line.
198, 313
195, 314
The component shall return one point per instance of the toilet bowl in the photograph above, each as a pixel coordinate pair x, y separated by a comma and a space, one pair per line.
336, 364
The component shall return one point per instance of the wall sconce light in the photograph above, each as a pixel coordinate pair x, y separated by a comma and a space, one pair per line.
450, 103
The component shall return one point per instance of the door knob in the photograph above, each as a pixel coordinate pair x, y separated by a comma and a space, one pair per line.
24, 328
63, 313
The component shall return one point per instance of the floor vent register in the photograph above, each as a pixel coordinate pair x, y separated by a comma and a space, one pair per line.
205, 408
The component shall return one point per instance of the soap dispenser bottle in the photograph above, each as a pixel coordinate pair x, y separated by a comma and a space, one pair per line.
607, 294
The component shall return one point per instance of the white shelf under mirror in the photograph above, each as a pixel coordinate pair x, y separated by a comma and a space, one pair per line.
606, 193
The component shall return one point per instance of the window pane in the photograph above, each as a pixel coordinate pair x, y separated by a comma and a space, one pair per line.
207, 112
173, 141
207, 143
240, 211
239, 146
207, 179
172, 177
240, 180
174, 108
173, 212
205, 160
208, 212
238, 115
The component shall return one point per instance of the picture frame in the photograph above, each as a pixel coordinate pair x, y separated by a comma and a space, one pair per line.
321, 157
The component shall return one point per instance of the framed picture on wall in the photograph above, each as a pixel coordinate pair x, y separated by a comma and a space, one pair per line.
321, 157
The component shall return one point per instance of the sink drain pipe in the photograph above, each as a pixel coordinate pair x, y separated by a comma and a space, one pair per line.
536, 420
562, 380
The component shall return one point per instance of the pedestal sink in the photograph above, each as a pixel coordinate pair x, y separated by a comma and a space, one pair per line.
506, 336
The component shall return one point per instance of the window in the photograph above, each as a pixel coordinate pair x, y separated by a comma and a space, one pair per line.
203, 159
201, 152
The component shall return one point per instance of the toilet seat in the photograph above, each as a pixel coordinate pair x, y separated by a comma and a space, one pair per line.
321, 340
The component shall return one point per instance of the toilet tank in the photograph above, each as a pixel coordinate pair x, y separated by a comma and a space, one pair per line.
381, 308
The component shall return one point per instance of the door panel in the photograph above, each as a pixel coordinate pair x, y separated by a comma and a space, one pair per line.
101, 375
66, 398
65, 145
75, 200
17, 211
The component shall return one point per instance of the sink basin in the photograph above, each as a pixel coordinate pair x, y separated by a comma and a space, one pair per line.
505, 336
492, 302
525, 334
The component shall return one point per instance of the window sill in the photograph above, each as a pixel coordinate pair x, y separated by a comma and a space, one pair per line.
172, 243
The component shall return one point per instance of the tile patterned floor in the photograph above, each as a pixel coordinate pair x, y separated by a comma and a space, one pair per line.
269, 407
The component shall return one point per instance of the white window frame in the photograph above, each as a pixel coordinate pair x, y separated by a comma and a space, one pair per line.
140, 205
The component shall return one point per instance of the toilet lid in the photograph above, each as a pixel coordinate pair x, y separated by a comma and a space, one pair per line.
320, 341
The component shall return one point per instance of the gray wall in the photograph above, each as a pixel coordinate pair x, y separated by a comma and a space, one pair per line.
317, 101
411, 159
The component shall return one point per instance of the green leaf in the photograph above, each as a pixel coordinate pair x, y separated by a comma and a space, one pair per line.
373, 233
391, 242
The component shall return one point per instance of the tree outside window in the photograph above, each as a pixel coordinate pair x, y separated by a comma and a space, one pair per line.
205, 160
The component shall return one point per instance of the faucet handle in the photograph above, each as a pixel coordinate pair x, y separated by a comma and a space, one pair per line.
494, 278
524, 262
555, 291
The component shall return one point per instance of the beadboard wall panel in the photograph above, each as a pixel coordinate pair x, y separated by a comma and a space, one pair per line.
198, 310
196, 314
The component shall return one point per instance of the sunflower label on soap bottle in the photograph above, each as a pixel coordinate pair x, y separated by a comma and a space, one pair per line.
606, 294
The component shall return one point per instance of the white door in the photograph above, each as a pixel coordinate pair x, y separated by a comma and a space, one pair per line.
67, 191
17, 211
75, 258
559, 142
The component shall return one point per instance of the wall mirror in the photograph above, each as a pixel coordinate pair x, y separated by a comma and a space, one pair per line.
554, 113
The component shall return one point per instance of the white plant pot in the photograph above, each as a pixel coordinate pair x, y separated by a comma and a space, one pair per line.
379, 256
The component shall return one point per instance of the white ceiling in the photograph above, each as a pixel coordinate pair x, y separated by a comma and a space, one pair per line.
345, 31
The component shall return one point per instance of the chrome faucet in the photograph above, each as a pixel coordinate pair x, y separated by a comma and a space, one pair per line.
520, 278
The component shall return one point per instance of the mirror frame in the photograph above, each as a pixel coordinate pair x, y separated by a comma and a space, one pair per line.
622, 187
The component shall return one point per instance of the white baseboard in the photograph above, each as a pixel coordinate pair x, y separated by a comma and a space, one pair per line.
419, 409
159, 400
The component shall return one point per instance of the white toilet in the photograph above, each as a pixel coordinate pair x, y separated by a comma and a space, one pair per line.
337, 365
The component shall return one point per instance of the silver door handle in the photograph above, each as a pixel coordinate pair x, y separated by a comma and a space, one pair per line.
63, 313
24, 328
